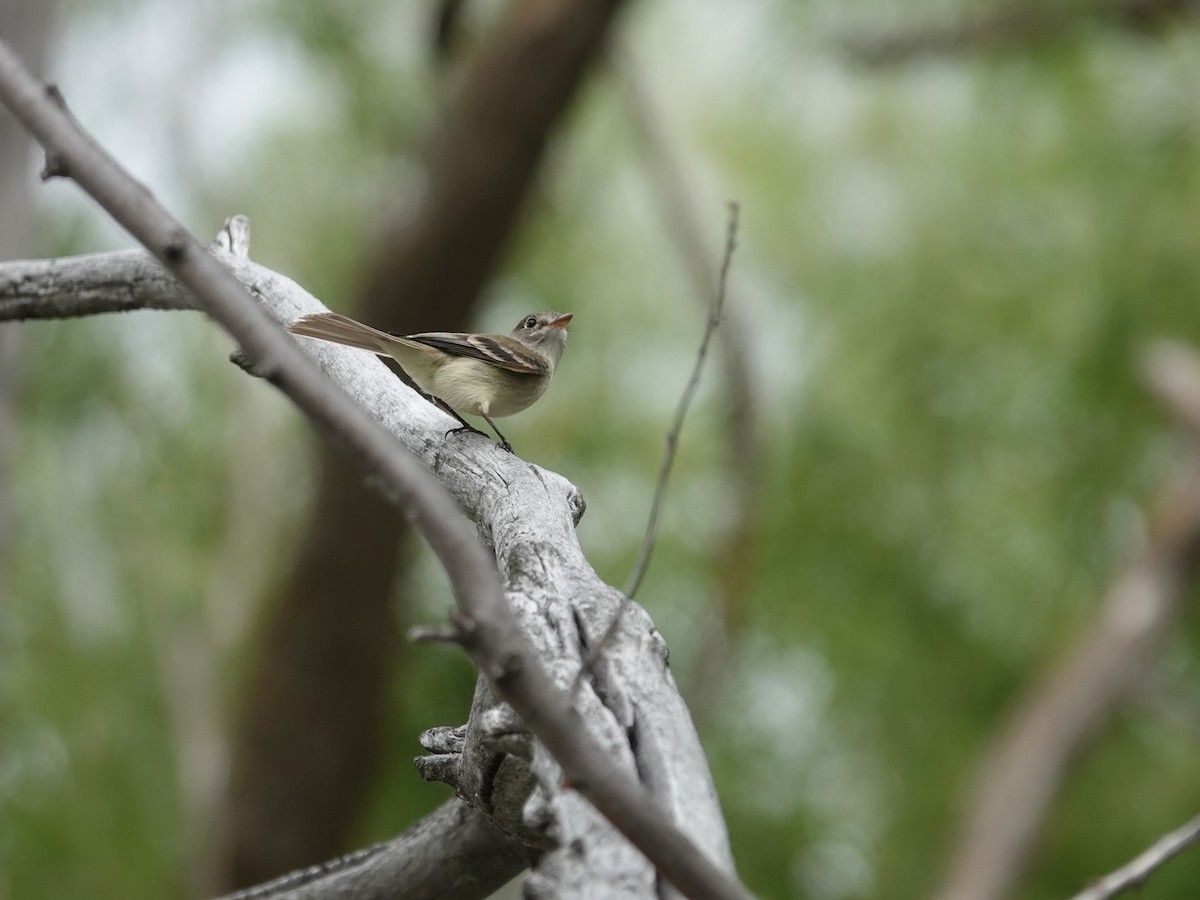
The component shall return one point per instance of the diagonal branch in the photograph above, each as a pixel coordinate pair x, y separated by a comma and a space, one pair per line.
1062, 714
1134, 873
454, 853
732, 567
1015, 24
313, 703
715, 311
490, 633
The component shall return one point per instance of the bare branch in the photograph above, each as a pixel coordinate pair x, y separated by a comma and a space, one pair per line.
731, 568
87, 286
455, 853
317, 687
1016, 24
685, 403
597, 649
1071, 705
435, 634
1134, 873
492, 635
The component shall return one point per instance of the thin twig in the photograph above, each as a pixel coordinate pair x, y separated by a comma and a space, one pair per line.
685, 402
435, 634
731, 572
1134, 873
664, 473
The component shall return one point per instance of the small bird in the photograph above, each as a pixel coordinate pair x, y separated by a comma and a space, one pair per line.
482, 374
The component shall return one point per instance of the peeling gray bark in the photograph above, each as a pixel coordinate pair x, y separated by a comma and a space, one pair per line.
527, 516
87, 285
455, 853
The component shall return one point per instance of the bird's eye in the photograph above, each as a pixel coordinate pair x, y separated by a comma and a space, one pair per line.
530, 322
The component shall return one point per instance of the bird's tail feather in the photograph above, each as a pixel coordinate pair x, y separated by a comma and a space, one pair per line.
339, 329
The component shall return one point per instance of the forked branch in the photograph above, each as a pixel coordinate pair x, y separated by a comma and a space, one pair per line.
491, 633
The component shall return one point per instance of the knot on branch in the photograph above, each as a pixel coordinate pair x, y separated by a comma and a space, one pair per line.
444, 739
503, 732
234, 237
487, 764
444, 763
240, 358
440, 767
576, 504
175, 248
55, 167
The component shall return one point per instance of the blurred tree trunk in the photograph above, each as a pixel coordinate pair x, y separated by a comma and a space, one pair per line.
307, 743
28, 25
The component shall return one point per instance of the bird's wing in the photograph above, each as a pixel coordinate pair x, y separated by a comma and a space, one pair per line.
505, 353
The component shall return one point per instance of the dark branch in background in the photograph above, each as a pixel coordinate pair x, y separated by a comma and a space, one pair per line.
1014, 26
445, 28
488, 628
732, 557
317, 692
491, 142
304, 749
1070, 707
1134, 874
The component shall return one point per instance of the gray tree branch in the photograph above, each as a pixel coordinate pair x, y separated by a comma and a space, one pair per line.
317, 685
454, 853
634, 723
1134, 873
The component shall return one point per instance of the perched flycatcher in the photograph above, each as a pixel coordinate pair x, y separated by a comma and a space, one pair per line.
482, 374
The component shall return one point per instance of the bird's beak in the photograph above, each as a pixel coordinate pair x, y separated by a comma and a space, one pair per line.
562, 321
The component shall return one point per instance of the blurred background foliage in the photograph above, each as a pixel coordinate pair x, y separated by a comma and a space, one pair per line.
947, 267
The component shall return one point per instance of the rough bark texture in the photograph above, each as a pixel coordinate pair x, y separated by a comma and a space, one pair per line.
526, 515
455, 853
327, 648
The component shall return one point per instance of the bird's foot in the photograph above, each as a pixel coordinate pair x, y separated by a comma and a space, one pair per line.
504, 444
463, 428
